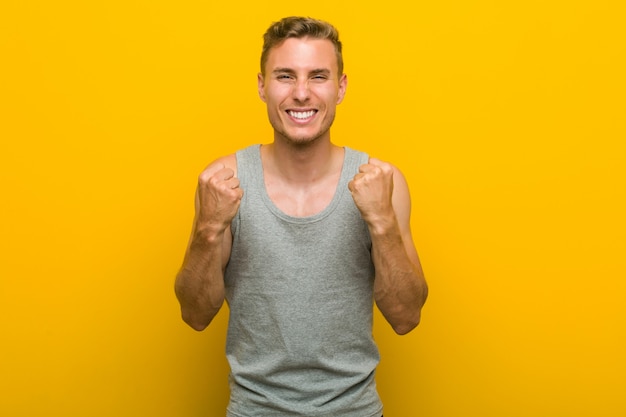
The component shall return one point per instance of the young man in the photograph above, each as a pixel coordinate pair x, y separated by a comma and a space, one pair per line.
300, 236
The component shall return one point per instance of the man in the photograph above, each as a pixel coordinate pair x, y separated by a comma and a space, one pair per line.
300, 236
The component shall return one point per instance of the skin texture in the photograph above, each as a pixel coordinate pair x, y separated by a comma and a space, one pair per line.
300, 77
301, 89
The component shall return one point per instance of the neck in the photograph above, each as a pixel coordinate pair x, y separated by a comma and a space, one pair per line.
302, 163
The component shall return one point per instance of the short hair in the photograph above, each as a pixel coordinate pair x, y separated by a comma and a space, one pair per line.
300, 27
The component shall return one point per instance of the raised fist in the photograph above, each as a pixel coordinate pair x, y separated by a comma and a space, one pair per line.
372, 190
218, 197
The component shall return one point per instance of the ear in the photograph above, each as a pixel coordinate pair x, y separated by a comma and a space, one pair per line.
261, 86
343, 84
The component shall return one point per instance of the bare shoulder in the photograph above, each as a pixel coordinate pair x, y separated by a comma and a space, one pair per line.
401, 201
399, 179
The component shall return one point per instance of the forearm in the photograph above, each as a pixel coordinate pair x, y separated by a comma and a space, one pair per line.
200, 282
382, 196
400, 289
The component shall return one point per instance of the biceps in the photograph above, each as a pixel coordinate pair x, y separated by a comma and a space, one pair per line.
402, 207
226, 247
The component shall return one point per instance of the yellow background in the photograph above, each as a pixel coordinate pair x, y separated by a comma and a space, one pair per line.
508, 119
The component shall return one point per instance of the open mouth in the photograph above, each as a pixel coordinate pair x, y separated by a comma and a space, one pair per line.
301, 115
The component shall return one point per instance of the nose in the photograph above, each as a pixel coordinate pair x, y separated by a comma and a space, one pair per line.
301, 90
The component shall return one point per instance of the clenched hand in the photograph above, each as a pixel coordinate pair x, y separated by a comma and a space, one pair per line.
372, 190
219, 197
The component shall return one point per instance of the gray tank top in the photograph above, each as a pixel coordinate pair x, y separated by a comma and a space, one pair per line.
300, 292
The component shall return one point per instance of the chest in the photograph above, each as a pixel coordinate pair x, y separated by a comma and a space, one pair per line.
302, 200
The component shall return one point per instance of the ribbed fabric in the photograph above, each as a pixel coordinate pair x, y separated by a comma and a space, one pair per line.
300, 295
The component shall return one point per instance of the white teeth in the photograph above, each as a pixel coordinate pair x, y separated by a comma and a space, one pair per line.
301, 114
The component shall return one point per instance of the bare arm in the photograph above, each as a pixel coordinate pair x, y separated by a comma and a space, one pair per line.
400, 290
200, 282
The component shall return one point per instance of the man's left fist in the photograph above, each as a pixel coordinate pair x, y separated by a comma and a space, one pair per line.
372, 190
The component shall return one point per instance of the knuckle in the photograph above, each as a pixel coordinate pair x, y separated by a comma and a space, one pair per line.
216, 182
386, 169
203, 178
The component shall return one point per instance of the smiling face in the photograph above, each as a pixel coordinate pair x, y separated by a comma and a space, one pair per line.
302, 88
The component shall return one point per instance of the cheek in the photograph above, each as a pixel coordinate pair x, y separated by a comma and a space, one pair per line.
328, 95
277, 92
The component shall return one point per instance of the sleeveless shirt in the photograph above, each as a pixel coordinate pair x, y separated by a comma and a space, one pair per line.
300, 294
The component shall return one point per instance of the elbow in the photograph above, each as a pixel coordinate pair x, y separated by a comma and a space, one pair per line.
196, 319
194, 322
405, 319
406, 326
195, 314
198, 326
412, 320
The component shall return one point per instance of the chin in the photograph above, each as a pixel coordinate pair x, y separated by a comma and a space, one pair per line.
299, 138
304, 139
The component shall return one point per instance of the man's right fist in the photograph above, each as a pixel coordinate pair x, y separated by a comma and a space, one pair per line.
218, 197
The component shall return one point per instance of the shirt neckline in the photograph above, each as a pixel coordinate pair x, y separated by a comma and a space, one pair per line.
332, 205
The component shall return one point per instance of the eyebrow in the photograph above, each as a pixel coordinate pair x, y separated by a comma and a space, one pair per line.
320, 71
291, 71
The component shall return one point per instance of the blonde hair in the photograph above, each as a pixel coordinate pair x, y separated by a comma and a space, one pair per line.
300, 27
